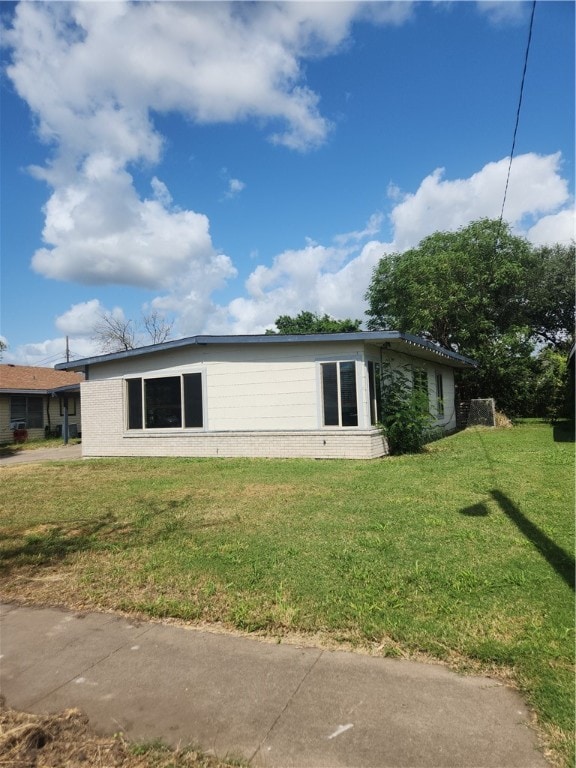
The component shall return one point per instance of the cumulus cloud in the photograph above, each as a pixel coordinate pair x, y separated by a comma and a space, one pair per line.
50, 351
81, 318
557, 228
94, 74
99, 232
536, 188
334, 278
328, 279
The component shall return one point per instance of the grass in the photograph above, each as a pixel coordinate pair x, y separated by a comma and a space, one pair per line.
462, 553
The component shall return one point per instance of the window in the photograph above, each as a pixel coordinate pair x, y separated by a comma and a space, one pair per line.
71, 406
27, 409
439, 396
166, 402
420, 381
339, 394
375, 392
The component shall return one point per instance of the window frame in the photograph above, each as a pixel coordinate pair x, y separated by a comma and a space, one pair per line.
136, 412
340, 404
26, 418
440, 410
374, 373
420, 380
71, 405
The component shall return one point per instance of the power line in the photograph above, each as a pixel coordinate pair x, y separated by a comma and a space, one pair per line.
517, 115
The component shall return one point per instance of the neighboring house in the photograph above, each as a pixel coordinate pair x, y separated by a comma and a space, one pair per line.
37, 398
269, 395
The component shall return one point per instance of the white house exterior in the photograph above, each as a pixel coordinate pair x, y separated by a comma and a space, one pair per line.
255, 396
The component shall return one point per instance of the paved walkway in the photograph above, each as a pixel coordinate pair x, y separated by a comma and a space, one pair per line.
33, 455
271, 704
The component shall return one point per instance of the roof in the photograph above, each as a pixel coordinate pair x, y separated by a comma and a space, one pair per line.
32, 379
402, 342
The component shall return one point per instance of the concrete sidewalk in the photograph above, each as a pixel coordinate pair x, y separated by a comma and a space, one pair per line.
32, 456
271, 704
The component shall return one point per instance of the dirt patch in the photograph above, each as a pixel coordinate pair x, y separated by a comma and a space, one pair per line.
65, 740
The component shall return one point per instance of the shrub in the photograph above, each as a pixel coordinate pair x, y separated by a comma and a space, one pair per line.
406, 419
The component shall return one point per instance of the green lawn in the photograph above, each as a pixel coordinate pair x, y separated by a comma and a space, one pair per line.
463, 553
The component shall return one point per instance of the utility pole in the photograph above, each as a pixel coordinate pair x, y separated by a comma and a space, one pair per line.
67, 350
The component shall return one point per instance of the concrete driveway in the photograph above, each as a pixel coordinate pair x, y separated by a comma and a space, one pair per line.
33, 456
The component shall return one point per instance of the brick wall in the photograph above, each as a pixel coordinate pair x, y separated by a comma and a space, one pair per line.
104, 435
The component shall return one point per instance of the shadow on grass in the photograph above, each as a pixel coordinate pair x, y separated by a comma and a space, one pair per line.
563, 432
45, 547
561, 561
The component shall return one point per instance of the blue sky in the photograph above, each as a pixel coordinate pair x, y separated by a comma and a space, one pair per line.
225, 163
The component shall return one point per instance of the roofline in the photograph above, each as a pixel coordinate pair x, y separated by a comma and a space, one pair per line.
45, 391
20, 391
305, 338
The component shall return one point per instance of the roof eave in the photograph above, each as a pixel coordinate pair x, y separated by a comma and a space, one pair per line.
368, 336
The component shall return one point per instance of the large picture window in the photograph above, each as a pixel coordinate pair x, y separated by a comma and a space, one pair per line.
339, 394
28, 409
167, 402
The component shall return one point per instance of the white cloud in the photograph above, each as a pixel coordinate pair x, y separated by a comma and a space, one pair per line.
81, 318
93, 75
556, 228
501, 12
326, 279
161, 192
49, 352
99, 232
334, 278
235, 186
536, 188
93, 71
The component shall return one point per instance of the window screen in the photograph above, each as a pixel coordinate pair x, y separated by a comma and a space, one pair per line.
163, 400
28, 409
193, 400
339, 394
330, 392
134, 403
439, 396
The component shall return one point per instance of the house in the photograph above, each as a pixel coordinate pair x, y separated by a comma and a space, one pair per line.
267, 395
36, 399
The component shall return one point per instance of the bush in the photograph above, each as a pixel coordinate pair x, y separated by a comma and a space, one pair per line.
406, 420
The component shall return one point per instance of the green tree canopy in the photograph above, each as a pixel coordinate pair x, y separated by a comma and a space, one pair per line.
310, 322
485, 293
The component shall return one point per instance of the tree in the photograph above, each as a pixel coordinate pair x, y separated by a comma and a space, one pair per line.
114, 333
552, 388
157, 327
551, 295
3, 347
485, 293
310, 322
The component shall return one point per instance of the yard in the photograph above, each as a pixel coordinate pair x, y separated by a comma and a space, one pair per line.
463, 553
